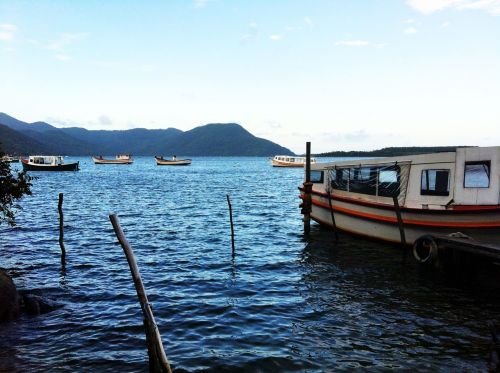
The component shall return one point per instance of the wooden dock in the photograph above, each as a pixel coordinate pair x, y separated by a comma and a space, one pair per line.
469, 245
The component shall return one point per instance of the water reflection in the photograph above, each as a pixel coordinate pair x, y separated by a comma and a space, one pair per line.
376, 311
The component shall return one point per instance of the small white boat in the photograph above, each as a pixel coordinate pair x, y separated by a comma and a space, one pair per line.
160, 161
9, 159
438, 194
48, 163
120, 159
289, 161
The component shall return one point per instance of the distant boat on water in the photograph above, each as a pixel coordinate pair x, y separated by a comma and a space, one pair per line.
120, 159
289, 161
160, 161
9, 159
48, 163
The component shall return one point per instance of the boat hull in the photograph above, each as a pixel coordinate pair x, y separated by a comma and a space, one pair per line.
286, 164
380, 222
59, 167
167, 162
112, 161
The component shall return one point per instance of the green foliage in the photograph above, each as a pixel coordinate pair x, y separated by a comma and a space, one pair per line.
12, 189
390, 152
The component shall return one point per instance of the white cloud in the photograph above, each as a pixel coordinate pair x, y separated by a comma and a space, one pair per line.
358, 43
275, 37
252, 33
7, 31
62, 57
200, 3
65, 40
6, 36
7, 27
410, 30
104, 120
308, 21
446, 24
431, 6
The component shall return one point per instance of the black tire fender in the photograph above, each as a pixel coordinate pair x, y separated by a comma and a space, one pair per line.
425, 250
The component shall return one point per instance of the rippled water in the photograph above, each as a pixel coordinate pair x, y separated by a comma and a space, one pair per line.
283, 304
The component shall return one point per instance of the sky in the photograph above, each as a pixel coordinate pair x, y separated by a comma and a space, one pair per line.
343, 74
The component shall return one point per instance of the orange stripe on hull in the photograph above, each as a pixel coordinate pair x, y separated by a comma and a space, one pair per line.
393, 220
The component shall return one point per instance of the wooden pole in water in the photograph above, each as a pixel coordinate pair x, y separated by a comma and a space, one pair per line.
158, 361
333, 217
61, 228
307, 199
400, 221
231, 221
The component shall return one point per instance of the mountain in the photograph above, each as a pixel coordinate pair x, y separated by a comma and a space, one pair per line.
217, 139
13, 142
223, 139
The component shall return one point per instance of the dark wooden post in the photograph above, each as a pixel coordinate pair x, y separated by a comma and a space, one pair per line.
158, 361
400, 221
307, 199
333, 217
61, 228
231, 221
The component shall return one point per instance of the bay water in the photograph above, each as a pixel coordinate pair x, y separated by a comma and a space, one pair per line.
285, 302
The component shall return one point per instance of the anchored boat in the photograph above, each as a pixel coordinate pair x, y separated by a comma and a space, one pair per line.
9, 159
439, 193
48, 163
120, 159
160, 161
289, 161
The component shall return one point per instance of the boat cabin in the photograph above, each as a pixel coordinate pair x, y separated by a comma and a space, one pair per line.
438, 193
469, 176
46, 160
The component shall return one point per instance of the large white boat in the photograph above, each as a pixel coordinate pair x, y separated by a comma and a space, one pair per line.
48, 163
289, 161
439, 193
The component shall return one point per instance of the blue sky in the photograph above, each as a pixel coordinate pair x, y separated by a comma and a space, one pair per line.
350, 74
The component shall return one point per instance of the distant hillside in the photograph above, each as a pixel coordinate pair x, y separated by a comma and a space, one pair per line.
15, 143
390, 152
212, 140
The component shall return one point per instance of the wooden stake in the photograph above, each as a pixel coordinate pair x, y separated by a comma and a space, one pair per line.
158, 361
231, 221
333, 218
400, 221
61, 229
307, 200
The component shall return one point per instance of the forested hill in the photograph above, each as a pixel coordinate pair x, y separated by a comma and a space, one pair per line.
390, 152
216, 139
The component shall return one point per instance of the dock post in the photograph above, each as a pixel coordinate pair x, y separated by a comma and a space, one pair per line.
307, 199
61, 229
158, 361
231, 221
400, 221
334, 225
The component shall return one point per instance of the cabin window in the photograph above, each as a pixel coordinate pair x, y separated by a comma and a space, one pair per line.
435, 183
477, 174
317, 177
362, 180
388, 181
341, 179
